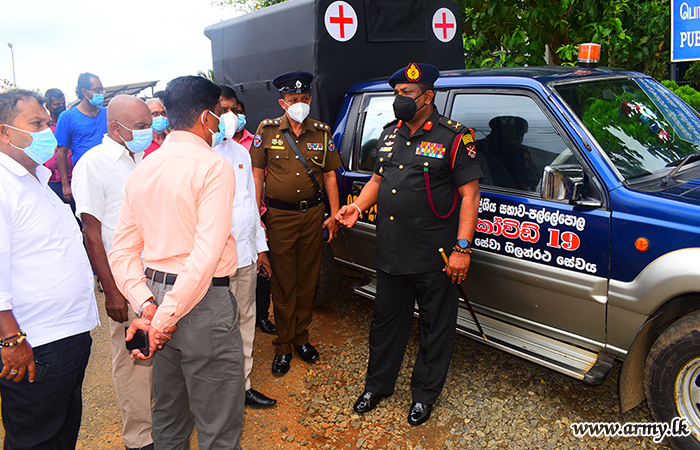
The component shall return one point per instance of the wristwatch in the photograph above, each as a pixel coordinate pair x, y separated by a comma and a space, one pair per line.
146, 303
463, 246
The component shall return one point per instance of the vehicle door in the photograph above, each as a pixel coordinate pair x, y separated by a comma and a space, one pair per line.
540, 263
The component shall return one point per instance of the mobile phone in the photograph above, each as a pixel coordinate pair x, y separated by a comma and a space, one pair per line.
263, 272
138, 342
41, 369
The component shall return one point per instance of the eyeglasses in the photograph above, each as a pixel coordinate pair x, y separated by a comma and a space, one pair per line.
96, 91
158, 113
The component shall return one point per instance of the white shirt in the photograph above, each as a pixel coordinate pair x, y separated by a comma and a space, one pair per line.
98, 184
45, 275
246, 227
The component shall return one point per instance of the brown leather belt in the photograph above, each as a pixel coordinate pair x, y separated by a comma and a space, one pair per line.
169, 278
302, 206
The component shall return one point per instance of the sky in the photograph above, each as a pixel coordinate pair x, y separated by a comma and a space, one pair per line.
124, 41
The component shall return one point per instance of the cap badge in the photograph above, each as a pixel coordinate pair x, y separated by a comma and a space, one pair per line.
298, 84
412, 72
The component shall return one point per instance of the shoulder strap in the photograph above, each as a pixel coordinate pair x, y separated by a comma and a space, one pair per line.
319, 191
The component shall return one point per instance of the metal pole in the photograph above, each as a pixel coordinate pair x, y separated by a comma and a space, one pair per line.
12, 51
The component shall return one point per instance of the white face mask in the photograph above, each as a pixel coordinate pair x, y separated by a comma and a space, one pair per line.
298, 111
231, 121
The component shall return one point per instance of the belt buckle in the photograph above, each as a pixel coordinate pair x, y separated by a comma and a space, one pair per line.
303, 206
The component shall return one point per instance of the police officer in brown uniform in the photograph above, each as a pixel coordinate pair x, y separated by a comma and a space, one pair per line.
426, 186
300, 159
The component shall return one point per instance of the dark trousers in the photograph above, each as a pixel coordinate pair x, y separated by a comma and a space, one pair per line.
391, 325
295, 242
47, 415
262, 291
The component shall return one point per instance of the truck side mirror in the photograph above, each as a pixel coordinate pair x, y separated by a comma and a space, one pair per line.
566, 182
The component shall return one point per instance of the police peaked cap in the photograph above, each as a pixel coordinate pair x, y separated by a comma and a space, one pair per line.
415, 73
294, 82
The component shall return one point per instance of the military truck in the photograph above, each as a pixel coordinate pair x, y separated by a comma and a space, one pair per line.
588, 238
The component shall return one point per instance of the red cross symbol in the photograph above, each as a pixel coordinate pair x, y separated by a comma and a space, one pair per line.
444, 25
342, 21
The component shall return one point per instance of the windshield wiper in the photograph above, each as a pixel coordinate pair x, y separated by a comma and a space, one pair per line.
681, 163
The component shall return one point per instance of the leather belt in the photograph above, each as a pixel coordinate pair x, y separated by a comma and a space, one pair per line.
302, 206
169, 278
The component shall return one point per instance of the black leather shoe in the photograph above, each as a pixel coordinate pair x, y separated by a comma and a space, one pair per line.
307, 352
255, 398
367, 402
266, 326
280, 365
419, 413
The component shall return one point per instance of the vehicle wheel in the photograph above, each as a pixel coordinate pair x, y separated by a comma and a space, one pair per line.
672, 378
328, 278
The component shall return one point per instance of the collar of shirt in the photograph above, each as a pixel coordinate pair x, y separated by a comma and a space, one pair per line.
114, 148
404, 131
42, 173
185, 137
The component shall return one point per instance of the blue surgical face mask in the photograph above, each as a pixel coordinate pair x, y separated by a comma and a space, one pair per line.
218, 137
42, 147
160, 124
241, 122
141, 140
97, 99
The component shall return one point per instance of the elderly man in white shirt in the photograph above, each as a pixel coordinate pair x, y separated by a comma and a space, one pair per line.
251, 246
47, 304
98, 189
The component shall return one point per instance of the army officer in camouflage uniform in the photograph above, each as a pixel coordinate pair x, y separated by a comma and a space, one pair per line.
294, 197
426, 186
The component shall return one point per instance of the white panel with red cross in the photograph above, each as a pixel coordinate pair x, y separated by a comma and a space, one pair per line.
444, 24
341, 21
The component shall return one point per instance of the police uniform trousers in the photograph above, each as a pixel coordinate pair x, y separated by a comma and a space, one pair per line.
133, 384
198, 376
295, 240
391, 324
47, 415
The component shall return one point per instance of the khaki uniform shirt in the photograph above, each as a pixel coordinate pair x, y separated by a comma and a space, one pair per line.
287, 179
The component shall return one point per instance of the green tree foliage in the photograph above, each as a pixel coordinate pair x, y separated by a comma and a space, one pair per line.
246, 5
634, 34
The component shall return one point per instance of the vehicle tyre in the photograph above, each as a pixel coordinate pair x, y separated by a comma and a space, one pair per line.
672, 378
328, 278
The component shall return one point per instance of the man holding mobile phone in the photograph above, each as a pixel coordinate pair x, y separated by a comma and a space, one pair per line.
45, 314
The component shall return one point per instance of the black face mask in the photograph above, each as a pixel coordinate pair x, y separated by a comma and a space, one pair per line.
58, 110
405, 107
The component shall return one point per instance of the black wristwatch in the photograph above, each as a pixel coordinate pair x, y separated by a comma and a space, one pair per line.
464, 244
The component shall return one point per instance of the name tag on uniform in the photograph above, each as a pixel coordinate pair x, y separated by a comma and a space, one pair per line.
431, 150
315, 147
385, 149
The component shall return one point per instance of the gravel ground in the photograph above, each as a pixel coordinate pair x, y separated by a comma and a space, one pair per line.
491, 399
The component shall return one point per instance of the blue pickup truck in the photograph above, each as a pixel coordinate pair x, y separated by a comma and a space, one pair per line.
587, 245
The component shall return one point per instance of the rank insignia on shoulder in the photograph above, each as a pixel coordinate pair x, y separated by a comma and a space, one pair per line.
471, 150
331, 146
431, 150
257, 140
451, 124
315, 146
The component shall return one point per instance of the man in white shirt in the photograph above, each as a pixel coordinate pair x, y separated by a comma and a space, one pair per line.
47, 305
98, 184
251, 246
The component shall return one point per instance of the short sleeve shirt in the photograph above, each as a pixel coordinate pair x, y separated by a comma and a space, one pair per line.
79, 132
408, 230
287, 179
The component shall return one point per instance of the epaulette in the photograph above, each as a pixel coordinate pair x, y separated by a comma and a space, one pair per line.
393, 122
452, 124
321, 126
269, 122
